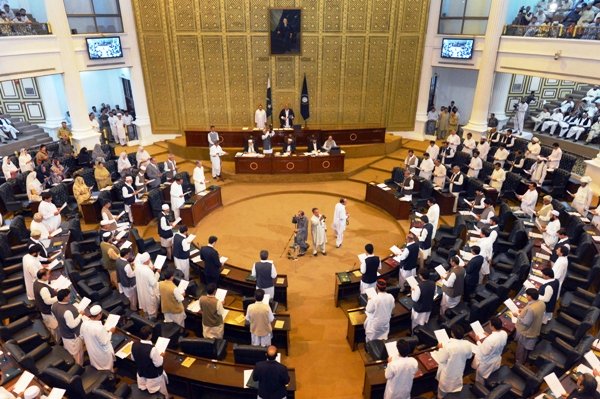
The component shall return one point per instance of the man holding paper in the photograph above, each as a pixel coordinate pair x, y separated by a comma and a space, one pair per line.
318, 231
149, 362
98, 340
171, 299
50, 213
260, 317
488, 355
408, 258
472, 270
452, 358
45, 297
529, 325
69, 322
165, 230
400, 372
379, 312
110, 253
529, 199
369, 267
212, 262
181, 251
31, 265
177, 195
549, 293
561, 264
146, 280
550, 232
340, 221
423, 295
212, 314
265, 274
453, 284
126, 278
129, 193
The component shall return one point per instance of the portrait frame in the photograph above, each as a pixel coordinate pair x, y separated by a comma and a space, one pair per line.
285, 31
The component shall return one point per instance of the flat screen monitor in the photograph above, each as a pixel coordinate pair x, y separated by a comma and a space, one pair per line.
458, 49
100, 48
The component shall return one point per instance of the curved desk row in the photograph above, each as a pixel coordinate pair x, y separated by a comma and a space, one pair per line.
237, 138
270, 164
347, 284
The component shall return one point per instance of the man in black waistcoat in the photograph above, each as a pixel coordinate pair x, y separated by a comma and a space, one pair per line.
69, 321
166, 222
45, 297
422, 297
149, 362
549, 292
408, 259
472, 269
265, 274
369, 267
272, 376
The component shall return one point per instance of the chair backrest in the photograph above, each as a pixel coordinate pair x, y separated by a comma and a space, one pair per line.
567, 162
397, 174
487, 170
426, 189
61, 379
18, 230
139, 241
117, 191
511, 183
60, 195
248, 354
202, 347
88, 176
138, 322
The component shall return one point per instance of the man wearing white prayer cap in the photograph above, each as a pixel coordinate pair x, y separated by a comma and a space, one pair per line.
33, 392
165, 230
146, 282
583, 197
98, 340
550, 232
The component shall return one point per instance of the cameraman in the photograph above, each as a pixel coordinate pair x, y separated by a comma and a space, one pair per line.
301, 231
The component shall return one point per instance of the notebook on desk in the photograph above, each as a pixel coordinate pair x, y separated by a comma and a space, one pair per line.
343, 277
427, 361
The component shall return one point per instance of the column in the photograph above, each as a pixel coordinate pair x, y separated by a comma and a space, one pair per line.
500, 96
83, 134
142, 117
426, 68
483, 91
50, 86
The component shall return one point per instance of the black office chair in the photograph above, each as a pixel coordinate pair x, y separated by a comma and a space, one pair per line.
559, 353
523, 381
34, 354
125, 391
79, 382
478, 391
248, 354
147, 245
569, 328
23, 328
204, 347
18, 232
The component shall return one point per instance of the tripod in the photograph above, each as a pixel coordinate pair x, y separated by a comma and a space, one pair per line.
291, 254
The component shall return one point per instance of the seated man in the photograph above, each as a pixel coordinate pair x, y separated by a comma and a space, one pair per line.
329, 144
7, 128
550, 124
583, 124
501, 155
541, 118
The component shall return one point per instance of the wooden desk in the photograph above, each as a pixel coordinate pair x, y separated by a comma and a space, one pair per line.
141, 212
273, 164
389, 268
91, 211
445, 201
386, 200
237, 138
203, 377
355, 332
236, 278
201, 206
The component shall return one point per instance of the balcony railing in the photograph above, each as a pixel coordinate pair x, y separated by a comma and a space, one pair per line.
24, 29
591, 32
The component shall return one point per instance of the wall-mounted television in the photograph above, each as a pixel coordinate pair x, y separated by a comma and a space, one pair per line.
100, 48
458, 49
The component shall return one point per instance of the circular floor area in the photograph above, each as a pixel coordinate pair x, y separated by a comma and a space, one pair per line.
325, 365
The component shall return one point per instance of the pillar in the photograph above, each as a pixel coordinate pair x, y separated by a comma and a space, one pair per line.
500, 95
485, 80
50, 86
83, 134
426, 68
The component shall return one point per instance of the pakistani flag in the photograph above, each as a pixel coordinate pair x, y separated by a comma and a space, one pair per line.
304, 103
269, 101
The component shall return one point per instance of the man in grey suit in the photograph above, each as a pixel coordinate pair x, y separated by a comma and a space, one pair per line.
152, 172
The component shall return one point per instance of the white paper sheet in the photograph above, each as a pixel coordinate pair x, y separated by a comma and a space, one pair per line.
478, 329
528, 284
554, 384
126, 245
441, 271
247, 376
395, 250
441, 336
223, 259
194, 306
56, 232
121, 235
159, 262
176, 222
196, 259
592, 359
53, 264
221, 294
56, 393
391, 348
60, 283
161, 344
125, 350
362, 257
412, 281
183, 284
23, 382
511, 306
84, 303
194, 252
535, 235
111, 321
543, 256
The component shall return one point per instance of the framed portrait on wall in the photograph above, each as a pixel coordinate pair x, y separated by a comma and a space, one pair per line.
285, 31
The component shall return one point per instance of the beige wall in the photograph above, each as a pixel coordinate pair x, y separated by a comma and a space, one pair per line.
207, 61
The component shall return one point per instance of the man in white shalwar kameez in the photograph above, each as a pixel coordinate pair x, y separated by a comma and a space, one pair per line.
400, 372
216, 152
529, 199
550, 232
439, 174
488, 355
475, 165
142, 156
50, 213
538, 171
451, 358
260, 117
318, 232
340, 220
198, 177
98, 340
177, 196
426, 167
583, 197
146, 282
433, 214
121, 130
379, 312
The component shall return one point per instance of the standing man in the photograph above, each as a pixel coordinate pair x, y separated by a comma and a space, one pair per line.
129, 128
301, 231
549, 293
489, 351
165, 230
561, 265
150, 374
400, 372
456, 184
286, 117
529, 199
411, 162
265, 274
153, 174
266, 137
472, 270
407, 187
45, 297
498, 176
216, 152
439, 174
369, 267
68, 318
521, 111
260, 117
475, 165
170, 167
529, 325
212, 314
272, 376
212, 262
213, 136
433, 214
31, 266
121, 129
260, 317
379, 312
408, 259
129, 194
340, 221
181, 251
177, 195
318, 231
171, 299
453, 286
423, 297
426, 167
198, 177
110, 254
126, 278
452, 358
98, 340
146, 280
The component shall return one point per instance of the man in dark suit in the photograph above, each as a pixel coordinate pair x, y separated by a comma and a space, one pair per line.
272, 376
286, 117
212, 262
289, 145
472, 271
152, 172
313, 144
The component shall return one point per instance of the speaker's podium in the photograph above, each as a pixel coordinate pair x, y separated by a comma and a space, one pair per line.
200, 205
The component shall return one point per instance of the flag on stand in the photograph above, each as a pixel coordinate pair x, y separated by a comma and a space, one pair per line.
269, 101
304, 103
